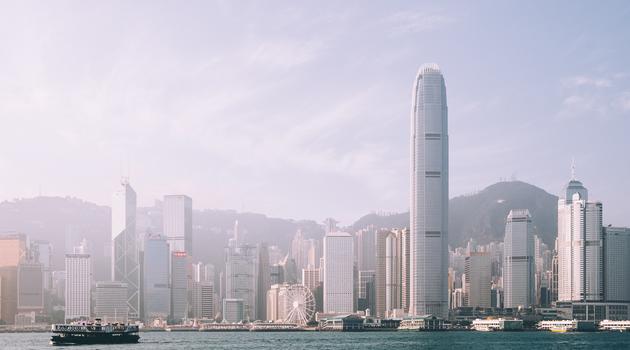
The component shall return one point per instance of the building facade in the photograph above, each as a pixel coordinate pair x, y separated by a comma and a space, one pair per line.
518, 264
110, 301
157, 290
617, 264
477, 280
177, 223
338, 273
78, 286
428, 292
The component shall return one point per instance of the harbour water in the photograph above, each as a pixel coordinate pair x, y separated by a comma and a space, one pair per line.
333, 340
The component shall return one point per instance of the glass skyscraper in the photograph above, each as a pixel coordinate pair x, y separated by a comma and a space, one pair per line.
428, 290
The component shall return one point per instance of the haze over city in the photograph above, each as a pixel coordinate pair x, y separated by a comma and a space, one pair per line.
301, 110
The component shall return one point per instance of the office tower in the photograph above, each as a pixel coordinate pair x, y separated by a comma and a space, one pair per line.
617, 263
233, 310
157, 290
78, 286
30, 288
110, 301
42, 252
13, 248
203, 300
428, 291
125, 250
180, 278
276, 274
580, 246
263, 279
518, 265
404, 268
310, 278
367, 291
241, 277
387, 272
177, 222
477, 286
554, 277
272, 302
298, 251
366, 248
338, 272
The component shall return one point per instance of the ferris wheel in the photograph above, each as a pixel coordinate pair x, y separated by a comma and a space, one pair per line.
300, 304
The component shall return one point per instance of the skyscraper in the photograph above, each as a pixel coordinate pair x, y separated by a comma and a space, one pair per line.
617, 263
157, 290
110, 301
13, 248
180, 279
387, 277
125, 251
366, 248
241, 278
478, 280
177, 221
518, 265
580, 246
429, 194
338, 272
78, 286
30, 288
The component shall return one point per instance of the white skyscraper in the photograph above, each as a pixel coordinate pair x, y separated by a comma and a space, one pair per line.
177, 223
580, 246
125, 251
78, 286
518, 256
428, 290
387, 274
338, 272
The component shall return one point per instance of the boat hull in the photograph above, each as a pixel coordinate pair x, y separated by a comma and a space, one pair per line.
94, 339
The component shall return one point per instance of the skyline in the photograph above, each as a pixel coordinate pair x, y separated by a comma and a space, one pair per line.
195, 103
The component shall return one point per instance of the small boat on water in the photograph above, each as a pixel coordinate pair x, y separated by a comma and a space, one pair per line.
94, 333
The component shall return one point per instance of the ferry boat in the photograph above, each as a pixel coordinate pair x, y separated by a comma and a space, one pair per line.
94, 333
275, 327
615, 326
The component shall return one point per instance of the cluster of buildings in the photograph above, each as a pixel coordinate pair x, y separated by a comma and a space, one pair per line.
405, 273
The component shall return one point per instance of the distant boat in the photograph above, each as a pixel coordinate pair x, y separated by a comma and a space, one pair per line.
94, 333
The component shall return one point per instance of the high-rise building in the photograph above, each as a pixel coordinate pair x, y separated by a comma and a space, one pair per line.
276, 274
125, 247
177, 222
428, 290
478, 280
30, 288
310, 278
180, 279
338, 272
78, 286
387, 272
580, 246
263, 280
203, 300
233, 310
42, 252
404, 237
13, 248
617, 264
241, 277
367, 291
518, 265
110, 301
272, 303
366, 248
157, 290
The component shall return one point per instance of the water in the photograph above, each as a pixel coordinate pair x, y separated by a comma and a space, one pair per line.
330, 340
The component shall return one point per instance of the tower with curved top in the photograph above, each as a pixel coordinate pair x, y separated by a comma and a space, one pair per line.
428, 291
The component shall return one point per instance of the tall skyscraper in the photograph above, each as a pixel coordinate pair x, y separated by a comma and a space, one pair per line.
580, 246
177, 221
78, 286
387, 272
157, 290
617, 264
180, 280
478, 280
338, 272
30, 288
428, 291
13, 248
366, 249
125, 250
263, 280
518, 265
241, 278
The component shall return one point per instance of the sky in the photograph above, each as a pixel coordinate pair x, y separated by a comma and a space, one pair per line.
301, 109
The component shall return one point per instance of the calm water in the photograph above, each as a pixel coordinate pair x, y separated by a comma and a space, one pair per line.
327, 340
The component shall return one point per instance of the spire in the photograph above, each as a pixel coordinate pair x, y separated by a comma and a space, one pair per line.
236, 233
573, 169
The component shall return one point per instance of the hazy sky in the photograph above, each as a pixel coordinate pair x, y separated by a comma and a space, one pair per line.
300, 109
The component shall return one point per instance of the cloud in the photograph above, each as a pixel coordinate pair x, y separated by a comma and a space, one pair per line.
580, 81
404, 22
